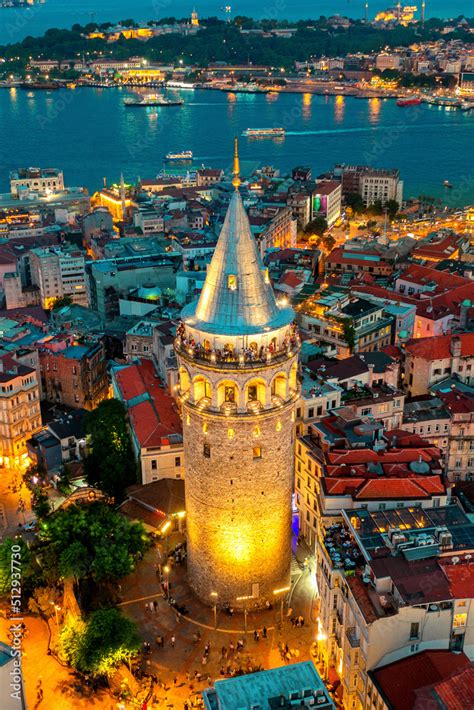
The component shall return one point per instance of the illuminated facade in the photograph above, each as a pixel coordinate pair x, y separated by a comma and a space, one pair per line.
20, 415
237, 352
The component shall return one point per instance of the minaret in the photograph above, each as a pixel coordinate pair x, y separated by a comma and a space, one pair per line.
122, 196
366, 12
423, 10
237, 351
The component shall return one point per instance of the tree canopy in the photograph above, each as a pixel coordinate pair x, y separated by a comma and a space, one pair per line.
92, 541
98, 645
110, 464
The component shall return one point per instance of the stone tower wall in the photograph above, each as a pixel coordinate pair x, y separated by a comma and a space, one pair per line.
238, 505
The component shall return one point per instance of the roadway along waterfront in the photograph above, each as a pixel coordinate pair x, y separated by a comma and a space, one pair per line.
91, 135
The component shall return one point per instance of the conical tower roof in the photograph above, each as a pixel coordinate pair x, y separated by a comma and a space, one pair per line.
237, 293
237, 297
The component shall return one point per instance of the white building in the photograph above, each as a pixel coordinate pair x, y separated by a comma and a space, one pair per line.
59, 271
43, 181
383, 185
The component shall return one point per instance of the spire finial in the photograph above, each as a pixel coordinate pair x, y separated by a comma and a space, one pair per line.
236, 171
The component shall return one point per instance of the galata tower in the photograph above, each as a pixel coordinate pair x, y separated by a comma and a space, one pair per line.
237, 350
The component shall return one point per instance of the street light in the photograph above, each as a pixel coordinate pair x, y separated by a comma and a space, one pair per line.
244, 599
56, 609
166, 570
215, 595
281, 591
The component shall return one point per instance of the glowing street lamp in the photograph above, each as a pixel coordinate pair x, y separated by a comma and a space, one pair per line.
214, 595
281, 591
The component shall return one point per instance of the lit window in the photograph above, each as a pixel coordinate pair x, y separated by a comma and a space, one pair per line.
231, 433
257, 452
459, 621
232, 282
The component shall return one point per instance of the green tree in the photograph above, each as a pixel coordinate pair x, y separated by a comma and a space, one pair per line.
102, 643
355, 202
61, 302
92, 541
318, 226
392, 207
110, 464
349, 333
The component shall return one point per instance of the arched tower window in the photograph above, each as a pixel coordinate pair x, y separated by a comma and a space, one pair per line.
202, 388
184, 380
279, 386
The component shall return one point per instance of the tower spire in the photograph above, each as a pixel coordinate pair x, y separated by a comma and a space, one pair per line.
236, 170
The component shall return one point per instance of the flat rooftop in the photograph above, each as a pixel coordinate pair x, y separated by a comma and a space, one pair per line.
244, 691
371, 527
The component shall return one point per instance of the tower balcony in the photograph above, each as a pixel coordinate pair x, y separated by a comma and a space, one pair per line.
227, 359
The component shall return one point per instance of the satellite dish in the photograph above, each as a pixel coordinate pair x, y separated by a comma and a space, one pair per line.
454, 560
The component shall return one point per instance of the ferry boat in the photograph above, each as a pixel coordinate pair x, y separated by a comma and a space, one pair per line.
152, 100
409, 102
264, 132
180, 85
241, 88
183, 157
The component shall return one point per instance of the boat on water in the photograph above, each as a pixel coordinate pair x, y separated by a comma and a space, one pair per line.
182, 157
409, 102
188, 86
40, 85
151, 100
447, 184
240, 88
467, 106
264, 132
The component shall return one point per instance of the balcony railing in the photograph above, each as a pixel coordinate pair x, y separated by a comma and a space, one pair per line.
230, 359
352, 637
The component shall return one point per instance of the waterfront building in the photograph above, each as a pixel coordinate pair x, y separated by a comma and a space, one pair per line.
42, 181
73, 374
298, 684
59, 271
20, 414
155, 424
237, 354
392, 583
385, 61
371, 183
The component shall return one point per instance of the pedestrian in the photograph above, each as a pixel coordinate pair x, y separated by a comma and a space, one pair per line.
264, 632
175, 681
256, 636
287, 650
155, 605
223, 652
158, 641
289, 612
231, 647
204, 660
173, 641
222, 670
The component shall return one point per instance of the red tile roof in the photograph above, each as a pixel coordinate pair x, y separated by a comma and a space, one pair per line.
424, 275
460, 577
154, 417
458, 402
400, 680
437, 249
439, 347
454, 693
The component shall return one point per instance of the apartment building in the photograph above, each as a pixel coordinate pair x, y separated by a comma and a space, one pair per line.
347, 462
349, 324
155, 424
20, 415
59, 271
371, 183
326, 201
429, 361
74, 372
392, 583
